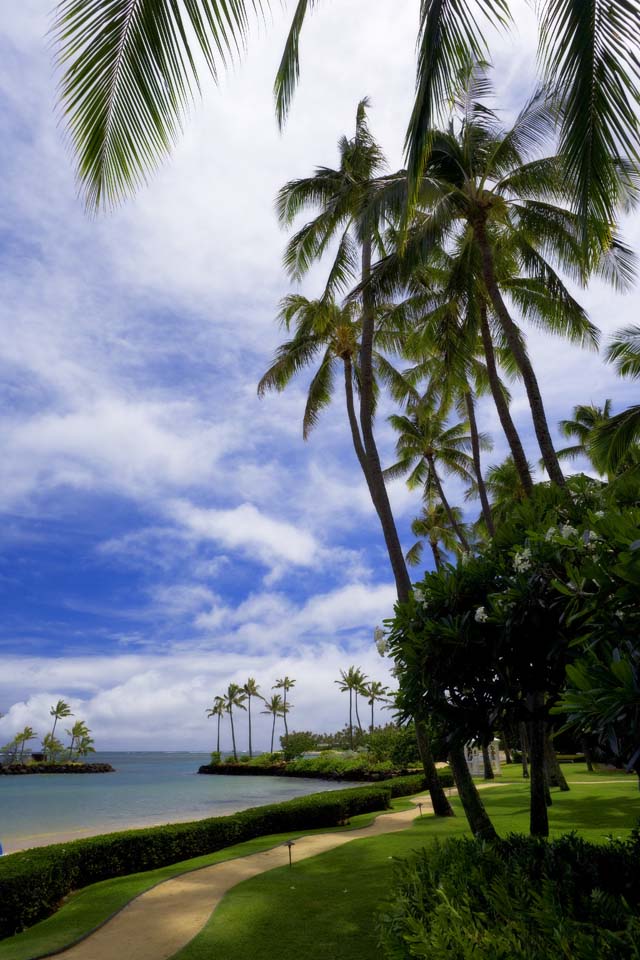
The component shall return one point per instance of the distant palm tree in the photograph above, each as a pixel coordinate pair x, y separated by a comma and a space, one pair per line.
251, 689
275, 707
434, 525
59, 712
585, 420
78, 731
22, 738
505, 487
285, 684
234, 697
374, 691
85, 746
615, 444
216, 711
350, 682
51, 746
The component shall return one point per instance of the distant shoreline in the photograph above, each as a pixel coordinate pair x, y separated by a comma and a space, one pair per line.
31, 769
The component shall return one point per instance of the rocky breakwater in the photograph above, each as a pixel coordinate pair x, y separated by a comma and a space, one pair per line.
25, 769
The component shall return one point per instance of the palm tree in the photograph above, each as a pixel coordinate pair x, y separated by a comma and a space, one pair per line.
251, 689
23, 738
586, 418
434, 525
78, 731
217, 711
130, 70
351, 681
615, 443
343, 198
425, 445
285, 684
51, 746
274, 706
234, 697
85, 746
59, 712
374, 691
505, 488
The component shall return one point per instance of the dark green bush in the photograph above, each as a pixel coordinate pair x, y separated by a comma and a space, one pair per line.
297, 743
518, 899
33, 882
415, 783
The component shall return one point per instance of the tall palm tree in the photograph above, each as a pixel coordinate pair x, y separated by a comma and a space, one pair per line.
375, 692
251, 689
615, 443
275, 707
351, 682
130, 71
426, 446
78, 731
433, 525
505, 488
343, 198
85, 746
234, 698
586, 418
285, 684
59, 712
24, 737
217, 710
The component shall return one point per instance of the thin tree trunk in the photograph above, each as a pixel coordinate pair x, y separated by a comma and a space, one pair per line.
524, 747
445, 503
587, 756
437, 556
554, 770
218, 744
350, 718
512, 334
486, 760
373, 472
233, 736
477, 817
475, 450
504, 415
273, 729
357, 713
284, 717
439, 799
539, 818
372, 702
249, 712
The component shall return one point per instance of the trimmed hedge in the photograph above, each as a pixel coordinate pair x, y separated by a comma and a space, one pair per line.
520, 898
415, 783
33, 882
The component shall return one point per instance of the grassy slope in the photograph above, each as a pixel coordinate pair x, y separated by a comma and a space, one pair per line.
325, 907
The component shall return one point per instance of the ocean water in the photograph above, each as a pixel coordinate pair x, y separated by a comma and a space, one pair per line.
147, 788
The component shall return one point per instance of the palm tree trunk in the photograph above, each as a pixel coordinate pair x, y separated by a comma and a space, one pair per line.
353, 420
477, 817
233, 735
218, 743
284, 717
516, 346
475, 450
445, 503
439, 799
486, 761
504, 415
249, 710
273, 729
524, 749
554, 771
538, 818
437, 556
372, 702
357, 712
350, 718
373, 471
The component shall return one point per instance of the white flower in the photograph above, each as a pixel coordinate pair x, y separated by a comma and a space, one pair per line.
599, 514
380, 641
418, 594
620, 614
522, 560
481, 615
550, 534
566, 531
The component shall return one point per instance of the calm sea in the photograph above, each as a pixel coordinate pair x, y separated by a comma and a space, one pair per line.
147, 788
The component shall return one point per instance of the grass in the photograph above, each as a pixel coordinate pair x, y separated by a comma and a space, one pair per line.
326, 906
88, 908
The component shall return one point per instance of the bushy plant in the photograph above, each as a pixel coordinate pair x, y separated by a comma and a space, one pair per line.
518, 899
297, 743
215, 758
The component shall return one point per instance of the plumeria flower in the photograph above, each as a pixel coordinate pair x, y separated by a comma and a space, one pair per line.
566, 531
522, 560
380, 641
550, 534
481, 615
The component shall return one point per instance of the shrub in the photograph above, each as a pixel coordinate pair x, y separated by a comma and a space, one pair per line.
521, 898
33, 883
297, 743
215, 758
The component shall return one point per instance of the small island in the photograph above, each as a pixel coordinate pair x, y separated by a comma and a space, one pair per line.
55, 757
31, 767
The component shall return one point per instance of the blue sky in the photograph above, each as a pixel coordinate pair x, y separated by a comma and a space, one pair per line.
164, 531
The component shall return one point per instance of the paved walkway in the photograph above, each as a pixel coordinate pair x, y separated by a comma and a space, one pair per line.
161, 921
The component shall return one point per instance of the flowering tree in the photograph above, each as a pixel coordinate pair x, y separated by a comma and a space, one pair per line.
490, 640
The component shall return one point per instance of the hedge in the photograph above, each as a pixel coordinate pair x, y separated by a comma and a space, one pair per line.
520, 898
33, 882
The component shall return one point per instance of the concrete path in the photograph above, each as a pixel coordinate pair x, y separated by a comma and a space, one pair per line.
161, 921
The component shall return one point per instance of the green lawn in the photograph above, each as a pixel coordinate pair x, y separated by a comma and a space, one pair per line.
326, 906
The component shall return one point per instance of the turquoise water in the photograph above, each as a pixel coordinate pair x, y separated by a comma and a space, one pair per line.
147, 788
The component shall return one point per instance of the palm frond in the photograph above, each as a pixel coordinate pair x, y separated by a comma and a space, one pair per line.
129, 74
611, 441
413, 556
291, 357
589, 53
289, 69
623, 350
320, 392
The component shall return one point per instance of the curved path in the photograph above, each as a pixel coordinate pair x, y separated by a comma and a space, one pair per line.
161, 921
